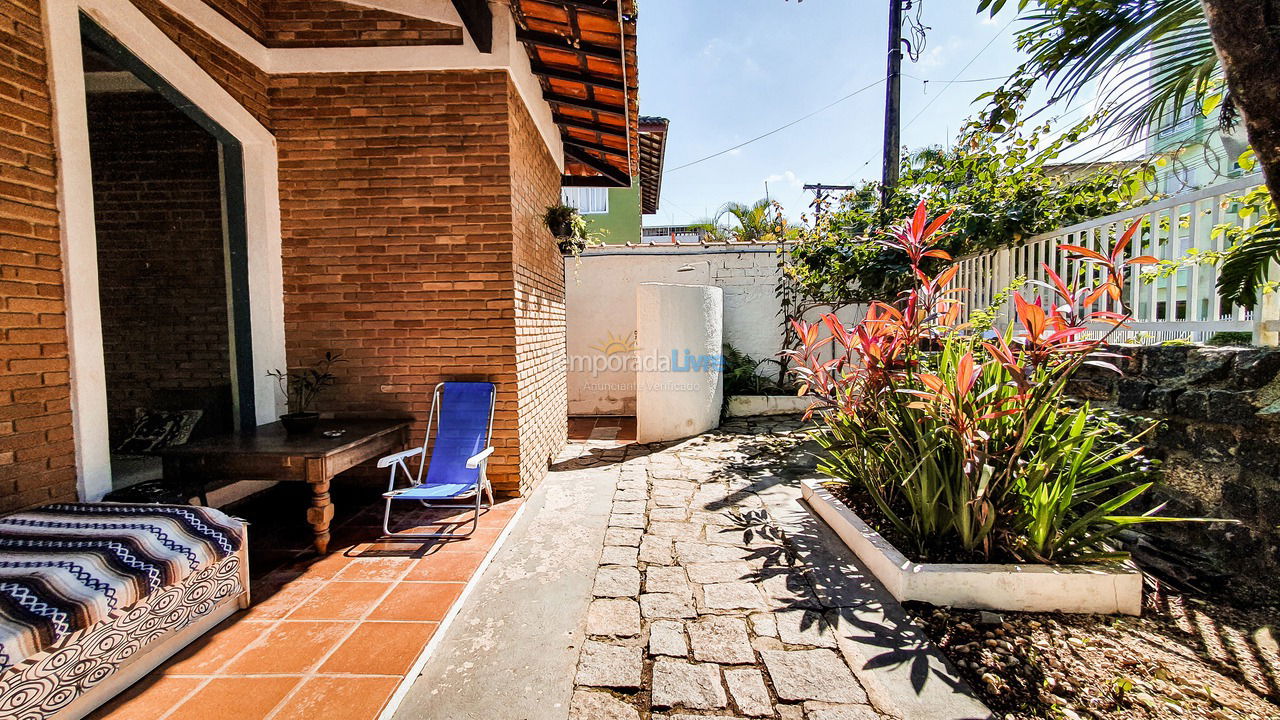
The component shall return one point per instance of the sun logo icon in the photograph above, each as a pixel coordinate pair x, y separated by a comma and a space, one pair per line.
614, 345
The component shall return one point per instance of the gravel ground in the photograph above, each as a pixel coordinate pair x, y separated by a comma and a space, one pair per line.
1185, 657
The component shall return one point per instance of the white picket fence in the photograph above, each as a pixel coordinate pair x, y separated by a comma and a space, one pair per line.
1183, 305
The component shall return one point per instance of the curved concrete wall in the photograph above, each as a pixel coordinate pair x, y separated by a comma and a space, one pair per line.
679, 379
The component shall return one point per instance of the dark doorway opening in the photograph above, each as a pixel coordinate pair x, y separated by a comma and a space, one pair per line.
172, 269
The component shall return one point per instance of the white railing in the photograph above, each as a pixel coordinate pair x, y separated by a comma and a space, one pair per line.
1183, 305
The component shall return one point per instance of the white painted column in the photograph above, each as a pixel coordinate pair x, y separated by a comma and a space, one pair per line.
680, 379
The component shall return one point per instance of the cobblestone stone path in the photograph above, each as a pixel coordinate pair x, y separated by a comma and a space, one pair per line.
700, 608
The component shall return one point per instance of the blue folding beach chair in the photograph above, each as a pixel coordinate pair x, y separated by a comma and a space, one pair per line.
463, 415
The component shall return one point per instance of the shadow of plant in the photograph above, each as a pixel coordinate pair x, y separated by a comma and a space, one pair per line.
804, 567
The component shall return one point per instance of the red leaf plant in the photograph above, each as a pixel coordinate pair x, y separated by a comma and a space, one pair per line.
966, 443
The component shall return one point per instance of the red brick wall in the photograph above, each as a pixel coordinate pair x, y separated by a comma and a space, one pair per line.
396, 215
539, 297
37, 454
162, 280
317, 23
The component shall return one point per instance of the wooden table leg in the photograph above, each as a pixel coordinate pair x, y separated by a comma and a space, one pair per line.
320, 514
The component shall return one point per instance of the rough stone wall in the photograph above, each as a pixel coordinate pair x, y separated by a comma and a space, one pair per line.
1219, 438
162, 281
37, 453
539, 298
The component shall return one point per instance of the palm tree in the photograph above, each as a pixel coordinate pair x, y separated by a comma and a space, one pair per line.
760, 221
1152, 57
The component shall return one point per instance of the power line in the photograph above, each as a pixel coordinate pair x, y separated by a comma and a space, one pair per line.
949, 83
778, 129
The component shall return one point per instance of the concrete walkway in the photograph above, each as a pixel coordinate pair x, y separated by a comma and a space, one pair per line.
679, 581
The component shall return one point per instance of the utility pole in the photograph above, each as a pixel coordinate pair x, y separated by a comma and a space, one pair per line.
892, 105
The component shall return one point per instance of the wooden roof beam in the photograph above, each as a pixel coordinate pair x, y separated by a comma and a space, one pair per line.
549, 72
552, 41
583, 104
574, 149
477, 18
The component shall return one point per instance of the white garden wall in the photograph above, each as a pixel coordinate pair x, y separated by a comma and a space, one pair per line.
601, 307
683, 323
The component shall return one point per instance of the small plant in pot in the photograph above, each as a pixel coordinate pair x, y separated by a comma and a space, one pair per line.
569, 227
300, 387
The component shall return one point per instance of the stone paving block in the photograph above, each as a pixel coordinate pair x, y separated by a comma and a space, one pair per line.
786, 589
628, 507
666, 579
666, 637
804, 627
735, 571
718, 519
597, 705
676, 530
628, 520
746, 687
613, 581
665, 605
619, 617
698, 552
720, 639
631, 495
669, 514
656, 550
623, 536
832, 711
812, 675
670, 501
605, 665
731, 596
695, 686
618, 555
764, 624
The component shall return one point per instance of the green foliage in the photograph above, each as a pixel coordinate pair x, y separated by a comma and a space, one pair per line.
302, 385
1001, 192
569, 228
1149, 58
970, 442
761, 221
1226, 338
742, 375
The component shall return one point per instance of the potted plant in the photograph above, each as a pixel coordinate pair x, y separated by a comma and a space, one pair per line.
569, 228
300, 387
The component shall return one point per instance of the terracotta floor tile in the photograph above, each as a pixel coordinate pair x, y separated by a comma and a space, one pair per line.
212, 650
418, 601
338, 698
241, 698
380, 648
375, 568
290, 647
281, 600
446, 567
341, 601
147, 699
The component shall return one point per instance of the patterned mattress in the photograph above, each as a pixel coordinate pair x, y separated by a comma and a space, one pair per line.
64, 568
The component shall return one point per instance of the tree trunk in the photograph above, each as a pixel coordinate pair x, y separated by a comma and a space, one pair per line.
1246, 34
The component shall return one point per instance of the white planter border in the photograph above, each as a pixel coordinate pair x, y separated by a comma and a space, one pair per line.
748, 405
1109, 589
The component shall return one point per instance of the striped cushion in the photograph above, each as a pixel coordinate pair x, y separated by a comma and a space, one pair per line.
66, 567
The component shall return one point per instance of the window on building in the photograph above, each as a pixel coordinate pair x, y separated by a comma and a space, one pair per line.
588, 200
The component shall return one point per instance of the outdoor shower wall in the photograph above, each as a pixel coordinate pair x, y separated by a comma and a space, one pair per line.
162, 278
37, 453
601, 310
1219, 437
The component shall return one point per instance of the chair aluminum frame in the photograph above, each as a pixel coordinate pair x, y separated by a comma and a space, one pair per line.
398, 460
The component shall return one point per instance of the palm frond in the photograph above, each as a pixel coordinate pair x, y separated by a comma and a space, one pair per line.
1244, 270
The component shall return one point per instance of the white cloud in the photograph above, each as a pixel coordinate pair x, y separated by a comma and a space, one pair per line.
787, 178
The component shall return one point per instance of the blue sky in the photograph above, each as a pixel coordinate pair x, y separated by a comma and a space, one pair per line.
725, 71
